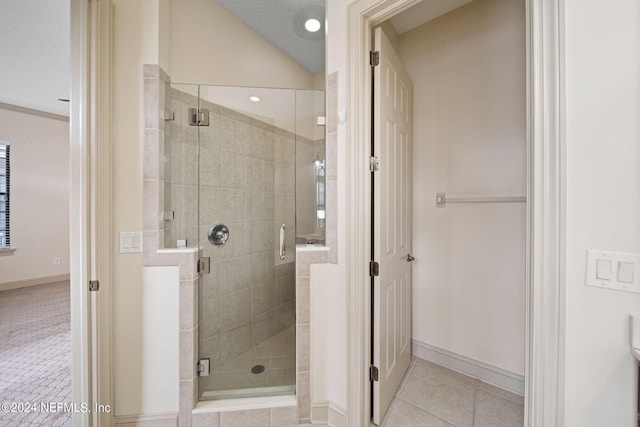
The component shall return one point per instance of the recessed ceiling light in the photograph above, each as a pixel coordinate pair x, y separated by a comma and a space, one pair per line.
312, 25
254, 98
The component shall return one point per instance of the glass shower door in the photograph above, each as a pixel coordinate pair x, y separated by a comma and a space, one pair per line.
244, 181
247, 186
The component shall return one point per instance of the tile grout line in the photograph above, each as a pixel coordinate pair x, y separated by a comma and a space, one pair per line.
475, 404
477, 387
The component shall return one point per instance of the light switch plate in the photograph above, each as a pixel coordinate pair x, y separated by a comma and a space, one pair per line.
130, 242
626, 272
603, 269
621, 269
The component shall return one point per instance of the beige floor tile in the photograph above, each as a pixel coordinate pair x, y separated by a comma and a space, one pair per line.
441, 392
406, 415
512, 397
493, 411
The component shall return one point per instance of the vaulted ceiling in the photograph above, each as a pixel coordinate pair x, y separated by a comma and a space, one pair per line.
35, 41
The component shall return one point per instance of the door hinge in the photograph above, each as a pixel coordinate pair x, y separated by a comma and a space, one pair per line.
374, 269
94, 285
198, 117
374, 164
373, 373
204, 265
374, 58
204, 367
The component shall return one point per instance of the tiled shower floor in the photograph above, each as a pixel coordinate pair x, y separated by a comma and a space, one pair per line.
234, 378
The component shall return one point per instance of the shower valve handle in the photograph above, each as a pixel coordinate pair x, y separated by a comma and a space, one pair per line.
218, 234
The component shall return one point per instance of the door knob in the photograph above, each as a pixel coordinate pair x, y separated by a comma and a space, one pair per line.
410, 258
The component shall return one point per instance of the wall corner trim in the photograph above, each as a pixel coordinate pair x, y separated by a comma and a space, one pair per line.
327, 412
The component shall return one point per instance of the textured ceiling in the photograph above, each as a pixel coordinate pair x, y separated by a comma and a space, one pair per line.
282, 23
34, 53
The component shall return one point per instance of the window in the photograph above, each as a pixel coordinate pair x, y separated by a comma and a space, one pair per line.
4, 195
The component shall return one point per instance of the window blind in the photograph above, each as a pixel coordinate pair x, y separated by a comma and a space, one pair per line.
5, 170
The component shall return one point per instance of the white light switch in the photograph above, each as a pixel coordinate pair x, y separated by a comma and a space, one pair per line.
625, 272
603, 269
613, 270
130, 242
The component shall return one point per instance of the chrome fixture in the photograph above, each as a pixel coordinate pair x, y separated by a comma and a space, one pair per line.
198, 117
204, 367
442, 200
218, 234
203, 265
283, 249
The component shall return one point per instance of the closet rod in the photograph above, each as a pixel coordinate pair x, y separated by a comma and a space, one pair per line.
442, 200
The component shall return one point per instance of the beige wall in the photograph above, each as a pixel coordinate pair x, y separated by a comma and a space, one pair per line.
135, 43
469, 133
602, 205
39, 196
163, 32
209, 45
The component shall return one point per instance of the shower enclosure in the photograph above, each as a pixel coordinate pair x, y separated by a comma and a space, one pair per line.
244, 182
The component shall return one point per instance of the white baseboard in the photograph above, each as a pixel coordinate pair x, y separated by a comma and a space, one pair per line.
326, 412
33, 282
168, 419
320, 412
486, 373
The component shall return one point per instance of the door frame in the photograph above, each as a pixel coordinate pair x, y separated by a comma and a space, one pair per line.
545, 222
90, 208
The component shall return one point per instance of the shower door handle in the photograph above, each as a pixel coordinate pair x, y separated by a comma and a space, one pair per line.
283, 249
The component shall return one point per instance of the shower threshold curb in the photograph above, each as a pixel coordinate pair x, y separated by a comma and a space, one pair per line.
244, 403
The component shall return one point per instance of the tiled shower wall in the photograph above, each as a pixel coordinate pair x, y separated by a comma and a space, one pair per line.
156, 83
247, 182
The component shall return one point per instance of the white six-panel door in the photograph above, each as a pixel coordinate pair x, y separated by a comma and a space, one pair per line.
392, 225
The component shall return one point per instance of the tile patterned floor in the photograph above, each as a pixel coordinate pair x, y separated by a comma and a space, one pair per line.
277, 355
433, 396
35, 353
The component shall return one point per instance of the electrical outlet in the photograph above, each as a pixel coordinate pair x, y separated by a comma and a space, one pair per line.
56, 261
